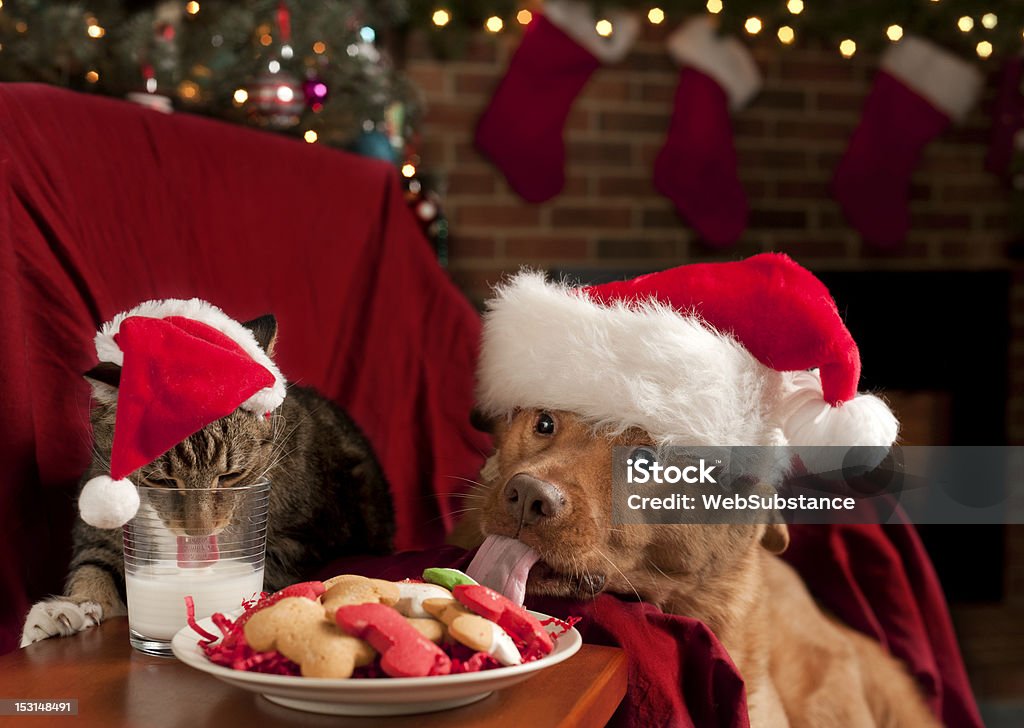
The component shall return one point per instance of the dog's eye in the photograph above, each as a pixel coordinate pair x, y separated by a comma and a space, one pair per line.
545, 424
643, 453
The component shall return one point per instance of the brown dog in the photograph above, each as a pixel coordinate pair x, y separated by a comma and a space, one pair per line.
549, 485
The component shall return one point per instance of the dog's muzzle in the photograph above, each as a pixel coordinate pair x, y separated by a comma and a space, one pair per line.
580, 584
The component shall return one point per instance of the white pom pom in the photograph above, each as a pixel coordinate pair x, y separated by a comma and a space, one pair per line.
822, 434
108, 503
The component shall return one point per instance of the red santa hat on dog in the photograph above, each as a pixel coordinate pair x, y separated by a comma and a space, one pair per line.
184, 364
746, 353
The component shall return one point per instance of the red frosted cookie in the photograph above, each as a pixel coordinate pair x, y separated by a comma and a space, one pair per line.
404, 651
508, 615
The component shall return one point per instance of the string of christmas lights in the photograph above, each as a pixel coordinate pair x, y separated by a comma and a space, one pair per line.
977, 24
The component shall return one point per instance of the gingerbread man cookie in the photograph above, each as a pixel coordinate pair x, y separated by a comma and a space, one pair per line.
299, 629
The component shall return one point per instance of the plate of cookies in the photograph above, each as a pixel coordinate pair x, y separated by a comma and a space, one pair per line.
354, 645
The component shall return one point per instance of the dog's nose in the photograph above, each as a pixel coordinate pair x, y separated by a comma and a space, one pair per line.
532, 500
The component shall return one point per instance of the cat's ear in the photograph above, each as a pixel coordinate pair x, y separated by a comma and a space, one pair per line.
104, 378
264, 329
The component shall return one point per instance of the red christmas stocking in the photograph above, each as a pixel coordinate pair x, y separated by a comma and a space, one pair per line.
696, 167
521, 130
918, 90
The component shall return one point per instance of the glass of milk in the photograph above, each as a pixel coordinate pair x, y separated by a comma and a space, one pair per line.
206, 543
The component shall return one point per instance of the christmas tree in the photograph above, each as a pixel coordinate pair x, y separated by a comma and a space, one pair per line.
318, 70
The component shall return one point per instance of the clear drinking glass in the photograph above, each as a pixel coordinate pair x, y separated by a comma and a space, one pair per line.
207, 543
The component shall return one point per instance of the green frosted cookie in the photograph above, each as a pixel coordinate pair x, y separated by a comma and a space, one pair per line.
448, 578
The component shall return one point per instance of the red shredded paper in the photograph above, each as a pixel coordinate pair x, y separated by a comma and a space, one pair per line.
566, 624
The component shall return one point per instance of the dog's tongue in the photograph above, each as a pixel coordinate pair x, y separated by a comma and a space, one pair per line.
503, 564
197, 551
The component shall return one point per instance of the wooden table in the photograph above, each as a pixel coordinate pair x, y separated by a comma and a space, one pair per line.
117, 686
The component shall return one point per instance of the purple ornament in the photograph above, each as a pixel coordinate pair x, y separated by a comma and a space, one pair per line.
316, 92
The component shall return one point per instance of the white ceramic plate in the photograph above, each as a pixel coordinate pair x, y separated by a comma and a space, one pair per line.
373, 696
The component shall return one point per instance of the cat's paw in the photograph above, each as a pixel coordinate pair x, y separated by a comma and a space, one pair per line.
59, 618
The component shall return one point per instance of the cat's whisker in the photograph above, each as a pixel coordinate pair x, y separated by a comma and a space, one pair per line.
280, 438
275, 462
276, 451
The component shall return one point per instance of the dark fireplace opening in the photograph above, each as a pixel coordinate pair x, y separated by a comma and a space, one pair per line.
936, 344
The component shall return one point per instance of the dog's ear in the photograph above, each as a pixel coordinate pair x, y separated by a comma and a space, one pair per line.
105, 379
775, 537
482, 422
264, 329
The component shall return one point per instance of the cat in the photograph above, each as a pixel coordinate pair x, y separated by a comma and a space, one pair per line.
328, 495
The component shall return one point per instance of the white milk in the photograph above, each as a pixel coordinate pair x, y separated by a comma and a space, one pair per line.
156, 595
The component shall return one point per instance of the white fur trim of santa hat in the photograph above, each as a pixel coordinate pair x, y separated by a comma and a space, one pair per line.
814, 428
645, 364
546, 345
949, 83
576, 19
266, 400
108, 503
696, 43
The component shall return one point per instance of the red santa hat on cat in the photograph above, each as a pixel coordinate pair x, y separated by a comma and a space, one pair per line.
744, 353
184, 364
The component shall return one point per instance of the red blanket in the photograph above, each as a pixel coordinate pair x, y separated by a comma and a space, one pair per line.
104, 204
876, 578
